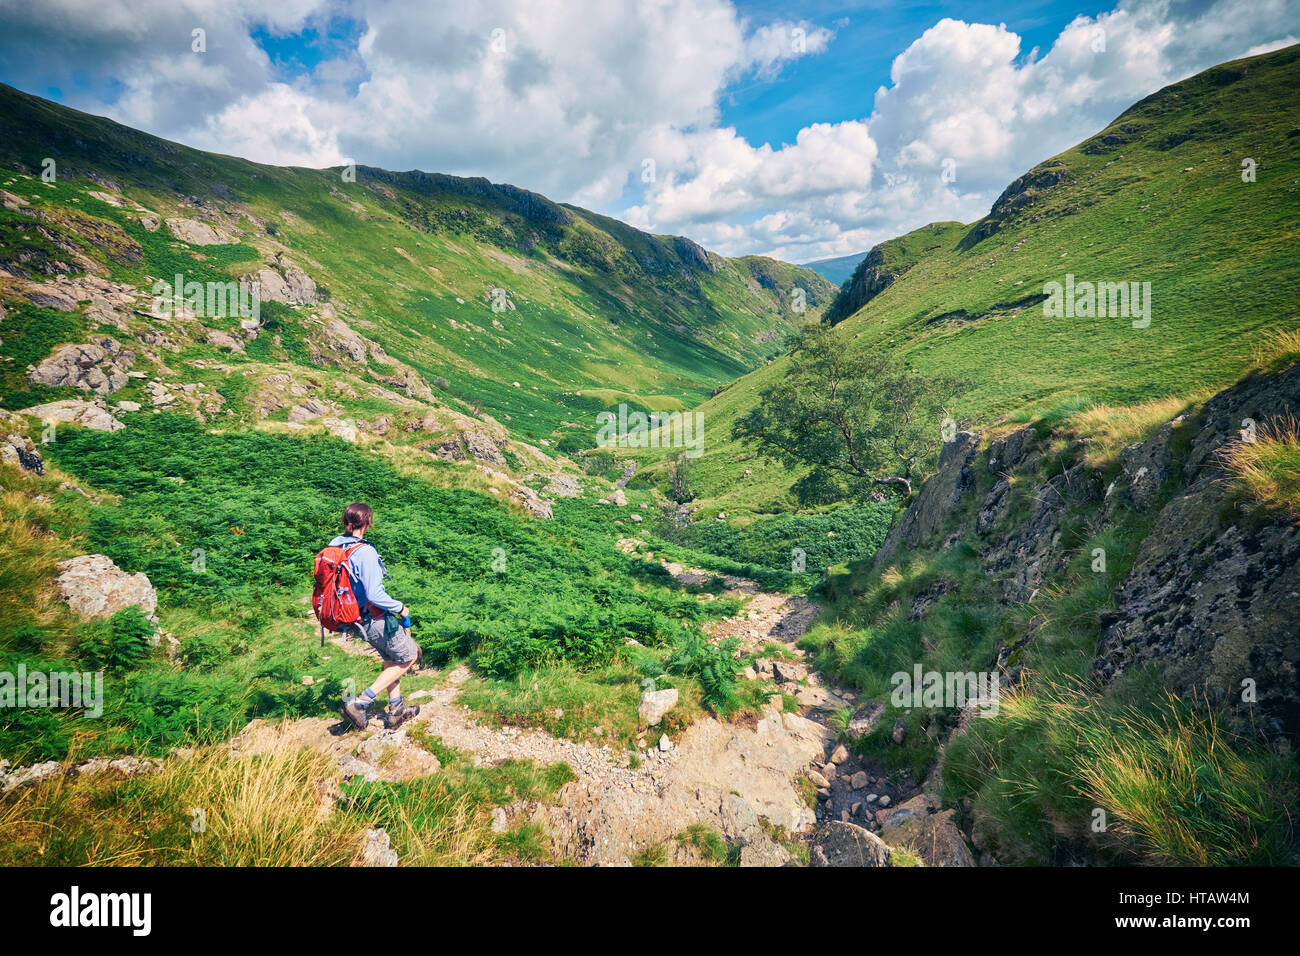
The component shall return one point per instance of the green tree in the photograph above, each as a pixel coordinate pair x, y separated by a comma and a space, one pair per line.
860, 418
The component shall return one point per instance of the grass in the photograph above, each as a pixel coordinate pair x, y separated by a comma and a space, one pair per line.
1268, 468
445, 819
206, 810
1174, 786
281, 807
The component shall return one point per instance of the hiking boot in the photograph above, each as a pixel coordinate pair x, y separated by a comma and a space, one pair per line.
404, 712
355, 715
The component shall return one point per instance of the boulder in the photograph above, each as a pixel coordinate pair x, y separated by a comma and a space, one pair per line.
619, 497
19, 450
196, 233
930, 832
94, 415
95, 587
864, 721
98, 367
340, 429
656, 703
847, 844
376, 850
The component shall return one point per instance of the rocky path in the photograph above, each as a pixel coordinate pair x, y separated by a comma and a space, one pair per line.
739, 779
731, 777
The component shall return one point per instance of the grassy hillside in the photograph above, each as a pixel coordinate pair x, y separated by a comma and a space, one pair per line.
1158, 196
410, 260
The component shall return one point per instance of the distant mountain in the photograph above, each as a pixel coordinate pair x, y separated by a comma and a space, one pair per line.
838, 269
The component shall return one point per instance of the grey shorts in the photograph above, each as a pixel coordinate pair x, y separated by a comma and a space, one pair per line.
387, 636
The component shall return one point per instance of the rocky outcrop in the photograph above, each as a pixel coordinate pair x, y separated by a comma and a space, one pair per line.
19, 450
94, 587
937, 498
564, 486
94, 415
347, 343
223, 340
482, 447
197, 233
533, 503
282, 282
1209, 603
869, 279
98, 367
1211, 598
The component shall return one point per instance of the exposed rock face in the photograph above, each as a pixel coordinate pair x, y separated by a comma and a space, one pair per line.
869, 279
196, 233
410, 382
93, 415
564, 486
1211, 599
305, 412
93, 586
847, 844
937, 497
693, 254
340, 337
481, 447
109, 301
98, 367
535, 504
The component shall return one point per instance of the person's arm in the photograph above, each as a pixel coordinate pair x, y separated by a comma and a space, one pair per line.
366, 560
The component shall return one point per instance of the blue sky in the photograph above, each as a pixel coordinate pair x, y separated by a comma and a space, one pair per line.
703, 118
841, 83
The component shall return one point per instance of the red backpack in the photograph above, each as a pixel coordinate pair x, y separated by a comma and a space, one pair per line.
332, 599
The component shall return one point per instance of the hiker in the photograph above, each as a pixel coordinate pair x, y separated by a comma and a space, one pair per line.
384, 622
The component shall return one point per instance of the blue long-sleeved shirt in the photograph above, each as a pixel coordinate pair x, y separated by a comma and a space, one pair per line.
367, 570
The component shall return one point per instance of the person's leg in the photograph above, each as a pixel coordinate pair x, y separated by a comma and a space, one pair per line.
389, 677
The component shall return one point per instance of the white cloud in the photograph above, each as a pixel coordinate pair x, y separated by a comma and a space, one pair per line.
571, 100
